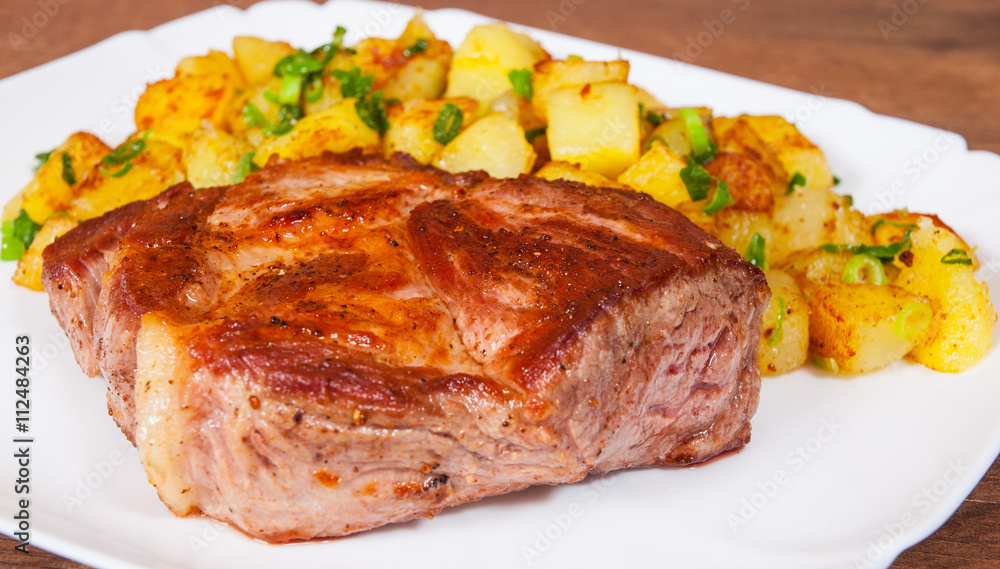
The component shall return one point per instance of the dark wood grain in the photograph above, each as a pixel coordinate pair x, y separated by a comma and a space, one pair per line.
938, 65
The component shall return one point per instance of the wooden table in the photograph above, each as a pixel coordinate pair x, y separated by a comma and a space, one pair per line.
936, 63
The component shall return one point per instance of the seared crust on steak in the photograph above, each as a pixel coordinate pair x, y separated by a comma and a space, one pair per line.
337, 344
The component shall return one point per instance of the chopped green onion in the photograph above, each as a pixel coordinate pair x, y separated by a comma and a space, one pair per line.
864, 268
327, 51
448, 123
353, 83
756, 252
125, 152
836, 181
849, 199
909, 227
720, 199
697, 180
574, 58
314, 89
826, 364
776, 338
244, 168
372, 112
649, 143
291, 89
67, 169
797, 180
881, 252
956, 257
117, 173
655, 118
42, 158
521, 80
252, 116
532, 133
702, 149
912, 320
299, 63
18, 233
419, 46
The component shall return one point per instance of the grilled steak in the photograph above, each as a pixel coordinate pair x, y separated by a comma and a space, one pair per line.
336, 344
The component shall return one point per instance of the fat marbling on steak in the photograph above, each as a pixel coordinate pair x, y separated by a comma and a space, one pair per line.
340, 343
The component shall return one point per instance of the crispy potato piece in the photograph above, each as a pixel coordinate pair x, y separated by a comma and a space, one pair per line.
754, 174
494, 143
895, 224
211, 157
481, 64
856, 325
596, 126
157, 167
48, 191
257, 57
552, 75
785, 349
963, 314
813, 268
411, 126
29, 267
336, 129
736, 227
658, 173
795, 152
804, 219
180, 104
565, 171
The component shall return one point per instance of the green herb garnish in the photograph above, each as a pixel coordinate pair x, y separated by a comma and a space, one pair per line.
864, 268
912, 320
67, 169
796, 180
702, 149
372, 112
697, 180
353, 83
418, 47
756, 252
42, 158
18, 233
532, 133
125, 152
521, 80
448, 123
956, 257
776, 338
244, 168
720, 199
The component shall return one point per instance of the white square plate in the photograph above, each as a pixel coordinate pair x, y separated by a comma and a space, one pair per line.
840, 473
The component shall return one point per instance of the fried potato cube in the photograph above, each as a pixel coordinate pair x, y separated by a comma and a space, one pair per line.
411, 126
494, 143
804, 219
29, 267
336, 129
813, 268
211, 157
257, 57
50, 191
658, 173
784, 341
963, 314
857, 325
180, 104
481, 64
736, 228
551, 75
565, 171
156, 168
795, 152
596, 126
753, 173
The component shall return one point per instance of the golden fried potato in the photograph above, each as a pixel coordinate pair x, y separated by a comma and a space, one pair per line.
565, 171
864, 327
336, 129
753, 173
411, 126
795, 152
211, 157
784, 341
595, 126
812, 268
50, 191
494, 143
257, 57
658, 173
736, 228
488, 53
29, 267
938, 266
156, 168
552, 75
